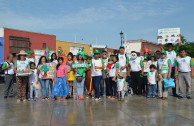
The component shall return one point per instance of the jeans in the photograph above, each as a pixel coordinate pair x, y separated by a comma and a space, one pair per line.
113, 87
80, 87
44, 87
172, 76
184, 78
152, 90
96, 80
31, 91
8, 87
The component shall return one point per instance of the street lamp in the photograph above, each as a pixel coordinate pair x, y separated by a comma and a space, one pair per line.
121, 34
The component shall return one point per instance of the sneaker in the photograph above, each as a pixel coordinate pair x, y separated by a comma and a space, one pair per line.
24, 100
180, 97
47, 98
148, 97
97, 99
77, 97
36, 98
43, 98
189, 97
164, 98
18, 100
81, 97
30, 99
61, 99
153, 96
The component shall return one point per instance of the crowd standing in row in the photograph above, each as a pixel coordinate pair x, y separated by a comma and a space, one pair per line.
116, 75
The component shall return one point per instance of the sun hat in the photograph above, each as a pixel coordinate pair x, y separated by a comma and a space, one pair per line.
22, 52
121, 74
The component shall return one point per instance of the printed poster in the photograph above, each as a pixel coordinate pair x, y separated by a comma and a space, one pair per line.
168, 35
47, 70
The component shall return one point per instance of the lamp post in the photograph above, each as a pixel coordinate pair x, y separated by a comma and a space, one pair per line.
121, 34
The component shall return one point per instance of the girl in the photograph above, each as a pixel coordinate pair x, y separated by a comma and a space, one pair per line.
144, 78
33, 79
60, 87
80, 68
71, 73
97, 65
21, 65
54, 58
112, 72
43, 81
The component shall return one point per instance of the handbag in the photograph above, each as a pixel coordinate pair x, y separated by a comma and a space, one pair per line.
160, 74
169, 83
79, 78
36, 86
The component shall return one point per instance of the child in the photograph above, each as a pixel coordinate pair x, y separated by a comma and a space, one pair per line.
71, 73
33, 79
144, 80
153, 60
121, 86
112, 73
60, 87
152, 77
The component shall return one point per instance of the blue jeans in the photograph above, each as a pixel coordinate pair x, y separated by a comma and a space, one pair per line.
96, 80
152, 90
31, 91
44, 87
80, 87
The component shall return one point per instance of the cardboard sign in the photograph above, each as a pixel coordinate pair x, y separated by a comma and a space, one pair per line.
168, 35
47, 70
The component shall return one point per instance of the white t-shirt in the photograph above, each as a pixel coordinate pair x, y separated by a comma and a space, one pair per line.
105, 63
152, 77
55, 61
122, 62
33, 77
112, 71
172, 56
97, 62
154, 63
121, 83
184, 64
10, 70
30, 59
135, 65
146, 66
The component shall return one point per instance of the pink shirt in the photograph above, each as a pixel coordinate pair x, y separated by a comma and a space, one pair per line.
62, 70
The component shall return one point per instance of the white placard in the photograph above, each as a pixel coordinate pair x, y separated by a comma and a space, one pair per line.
168, 35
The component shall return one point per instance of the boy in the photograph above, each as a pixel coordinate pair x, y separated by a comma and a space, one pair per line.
121, 86
152, 77
183, 68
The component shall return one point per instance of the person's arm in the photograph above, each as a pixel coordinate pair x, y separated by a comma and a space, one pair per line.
129, 70
108, 70
127, 63
55, 76
191, 64
148, 79
124, 84
142, 67
170, 68
176, 70
117, 70
37, 78
179, 44
15, 67
157, 75
102, 67
5, 66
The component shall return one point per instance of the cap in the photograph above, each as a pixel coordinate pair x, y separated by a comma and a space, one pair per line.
145, 58
122, 47
29, 52
163, 52
112, 54
110, 59
96, 51
152, 55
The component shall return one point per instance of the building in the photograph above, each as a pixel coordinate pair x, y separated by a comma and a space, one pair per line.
111, 50
139, 46
13, 40
72, 47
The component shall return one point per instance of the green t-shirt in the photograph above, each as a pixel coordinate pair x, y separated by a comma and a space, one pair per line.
117, 65
5, 64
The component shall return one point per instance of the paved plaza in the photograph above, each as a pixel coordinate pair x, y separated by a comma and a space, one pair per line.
134, 111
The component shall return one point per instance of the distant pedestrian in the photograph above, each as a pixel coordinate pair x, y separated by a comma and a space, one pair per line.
7, 67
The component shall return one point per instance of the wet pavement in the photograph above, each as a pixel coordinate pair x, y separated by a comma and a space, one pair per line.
134, 111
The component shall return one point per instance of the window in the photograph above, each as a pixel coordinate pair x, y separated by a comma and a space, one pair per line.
44, 45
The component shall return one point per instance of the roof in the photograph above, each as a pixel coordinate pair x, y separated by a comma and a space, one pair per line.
28, 31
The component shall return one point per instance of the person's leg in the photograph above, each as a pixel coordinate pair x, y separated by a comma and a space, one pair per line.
42, 83
97, 84
160, 88
51, 85
172, 76
165, 91
114, 88
154, 86
6, 86
11, 92
149, 90
133, 82
47, 87
82, 87
102, 87
139, 83
36, 93
19, 82
25, 81
122, 94
144, 85
78, 87
107, 87
31, 90
188, 84
70, 87
111, 86
181, 83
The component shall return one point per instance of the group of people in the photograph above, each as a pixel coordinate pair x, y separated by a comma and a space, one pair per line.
111, 76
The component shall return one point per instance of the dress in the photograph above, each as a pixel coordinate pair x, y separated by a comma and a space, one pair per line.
71, 72
60, 88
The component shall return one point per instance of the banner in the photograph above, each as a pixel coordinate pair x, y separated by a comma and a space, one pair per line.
47, 70
168, 35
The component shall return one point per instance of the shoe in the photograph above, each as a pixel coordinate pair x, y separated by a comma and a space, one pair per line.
5, 97
47, 98
53, 99
36, 98
153, 96
92, 97
148, 97
189, 97
61, 99
97, 99
24, 100
164, 98
67, 97
43, 98
180, 97
81, 97
29, 99
18, 100
159, 97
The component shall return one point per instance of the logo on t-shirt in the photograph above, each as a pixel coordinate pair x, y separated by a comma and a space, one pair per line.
133, 61
183, 60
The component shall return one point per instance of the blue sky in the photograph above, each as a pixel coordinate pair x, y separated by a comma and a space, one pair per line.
99, 21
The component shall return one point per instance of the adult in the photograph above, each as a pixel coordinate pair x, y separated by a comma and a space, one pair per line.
123, 61
44, 82
7, 67
183, 68
164, 71
29, 56
158, 55
172, 54
80, 68
97, 65
21, 65
104, 77
135, 69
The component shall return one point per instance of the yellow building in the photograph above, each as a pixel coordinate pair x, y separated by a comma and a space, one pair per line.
72, 47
